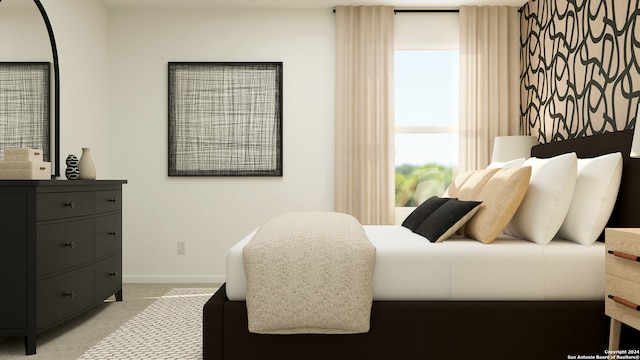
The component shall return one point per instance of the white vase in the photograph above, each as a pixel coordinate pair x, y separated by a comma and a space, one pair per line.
85, 165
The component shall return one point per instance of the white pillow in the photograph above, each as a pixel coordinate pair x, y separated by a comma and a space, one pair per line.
506, 164
548, 198
593, 200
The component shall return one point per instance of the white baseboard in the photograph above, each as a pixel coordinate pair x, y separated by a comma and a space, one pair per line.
170, 279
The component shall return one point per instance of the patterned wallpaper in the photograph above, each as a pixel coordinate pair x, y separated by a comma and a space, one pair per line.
580, 67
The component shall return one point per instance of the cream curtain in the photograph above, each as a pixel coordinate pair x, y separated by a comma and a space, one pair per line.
489, 81
364, 170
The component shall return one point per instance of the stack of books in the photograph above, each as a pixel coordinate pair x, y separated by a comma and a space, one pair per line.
24, 164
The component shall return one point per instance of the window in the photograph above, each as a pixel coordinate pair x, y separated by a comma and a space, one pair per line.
426, 105
426, 131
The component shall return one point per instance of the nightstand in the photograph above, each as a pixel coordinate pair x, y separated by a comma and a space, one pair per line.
622, 289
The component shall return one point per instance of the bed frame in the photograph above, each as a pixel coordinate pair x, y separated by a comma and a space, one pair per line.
451, 329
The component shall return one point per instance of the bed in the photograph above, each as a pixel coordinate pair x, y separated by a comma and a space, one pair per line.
543, 317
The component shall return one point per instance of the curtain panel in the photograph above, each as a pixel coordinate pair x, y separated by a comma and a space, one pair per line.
489, 81
364, 150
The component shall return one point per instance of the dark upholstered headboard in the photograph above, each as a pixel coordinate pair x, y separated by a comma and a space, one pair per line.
627, 210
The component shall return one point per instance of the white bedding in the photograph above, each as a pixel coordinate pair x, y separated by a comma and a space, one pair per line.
409, 267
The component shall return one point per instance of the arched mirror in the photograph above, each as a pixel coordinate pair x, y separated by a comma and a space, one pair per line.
29, 81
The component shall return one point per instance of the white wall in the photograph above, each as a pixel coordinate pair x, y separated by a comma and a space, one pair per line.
212, 213
113, 65
33, 42
80, 28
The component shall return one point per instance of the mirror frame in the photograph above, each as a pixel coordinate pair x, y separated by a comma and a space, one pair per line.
56, 91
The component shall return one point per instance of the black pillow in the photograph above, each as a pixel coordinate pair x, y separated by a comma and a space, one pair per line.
447, 219
423, 211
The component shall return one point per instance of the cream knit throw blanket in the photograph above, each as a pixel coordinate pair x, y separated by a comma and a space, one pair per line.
309, 272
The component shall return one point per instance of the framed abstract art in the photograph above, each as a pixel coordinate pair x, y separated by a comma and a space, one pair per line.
225, 119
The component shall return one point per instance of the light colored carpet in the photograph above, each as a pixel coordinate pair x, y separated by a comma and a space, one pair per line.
68, 341
170, 328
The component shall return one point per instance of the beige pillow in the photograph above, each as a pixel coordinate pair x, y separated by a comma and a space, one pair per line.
456, 184
471, 188
501, 197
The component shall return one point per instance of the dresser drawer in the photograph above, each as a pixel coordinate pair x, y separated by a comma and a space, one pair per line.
108, 234
64, 295
63, 245
108, 200
108, 276
51, 206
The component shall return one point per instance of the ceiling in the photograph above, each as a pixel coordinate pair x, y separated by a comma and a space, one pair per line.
399, 4
409, 4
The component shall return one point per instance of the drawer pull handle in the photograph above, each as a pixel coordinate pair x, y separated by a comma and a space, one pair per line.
70, 294
114, 274
624, 302
70, 204
624, 255
113, 233
70, 245
114, 200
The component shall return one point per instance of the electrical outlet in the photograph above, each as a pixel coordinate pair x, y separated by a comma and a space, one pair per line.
182, 248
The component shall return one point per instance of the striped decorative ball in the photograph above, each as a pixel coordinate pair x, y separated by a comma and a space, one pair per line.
72, 172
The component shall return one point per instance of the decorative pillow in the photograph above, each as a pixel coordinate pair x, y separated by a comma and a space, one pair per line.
548, 198
500, 197
473, 185
506, 164
456, 184
470, 190
446, 219
423, 211
595, 195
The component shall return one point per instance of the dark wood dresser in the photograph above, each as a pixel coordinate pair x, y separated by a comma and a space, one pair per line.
60, 251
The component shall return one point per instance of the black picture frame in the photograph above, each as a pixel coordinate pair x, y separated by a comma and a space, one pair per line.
225, 118
25, 103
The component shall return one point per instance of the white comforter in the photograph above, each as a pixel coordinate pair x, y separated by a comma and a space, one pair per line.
408, 267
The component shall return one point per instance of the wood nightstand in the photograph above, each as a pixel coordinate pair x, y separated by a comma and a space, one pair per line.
622, 290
